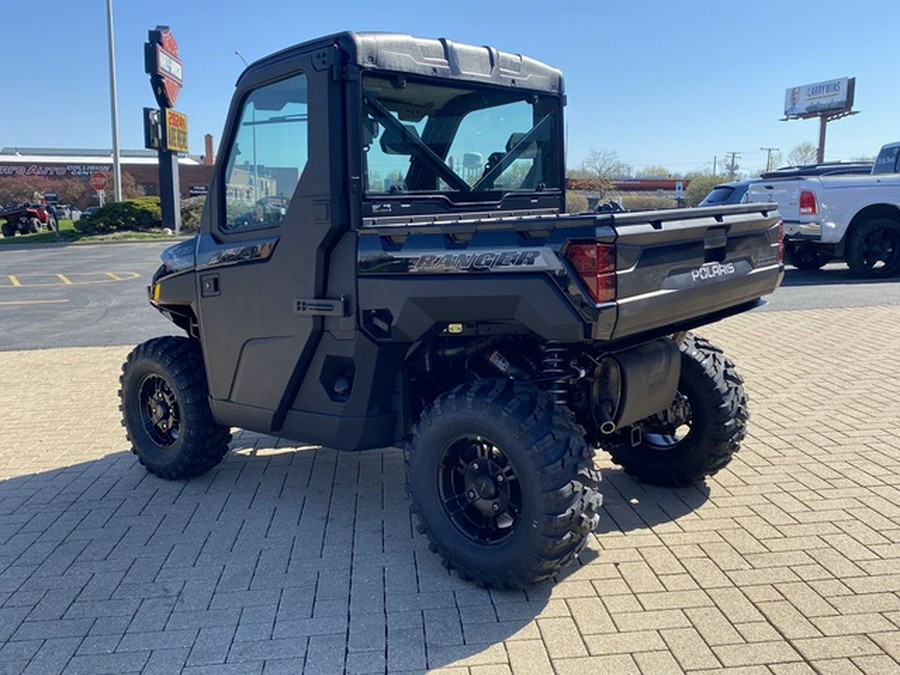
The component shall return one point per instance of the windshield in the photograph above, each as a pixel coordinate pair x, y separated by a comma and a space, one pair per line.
457, 139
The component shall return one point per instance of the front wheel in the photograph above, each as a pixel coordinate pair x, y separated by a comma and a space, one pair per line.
8, 230
165, 409
698, 433
502, 482
873, 249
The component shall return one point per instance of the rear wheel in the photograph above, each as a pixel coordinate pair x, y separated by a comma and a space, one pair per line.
874, 248
699, 432
8, 230
502, 483
165, 409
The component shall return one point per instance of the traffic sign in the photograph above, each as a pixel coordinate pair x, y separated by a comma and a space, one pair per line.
98, 181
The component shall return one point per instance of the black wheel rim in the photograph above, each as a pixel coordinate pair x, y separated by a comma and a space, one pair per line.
479, 489
160, 413
668, 429
881, 248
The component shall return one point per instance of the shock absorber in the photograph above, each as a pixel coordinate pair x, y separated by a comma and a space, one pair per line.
554, 369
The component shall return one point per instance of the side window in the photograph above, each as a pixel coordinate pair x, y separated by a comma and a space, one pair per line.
268, 155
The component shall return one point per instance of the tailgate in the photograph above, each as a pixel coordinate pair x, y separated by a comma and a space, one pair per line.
785, 195
690, 265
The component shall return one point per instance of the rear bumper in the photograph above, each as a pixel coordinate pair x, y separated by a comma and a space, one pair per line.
665, 309
824, 232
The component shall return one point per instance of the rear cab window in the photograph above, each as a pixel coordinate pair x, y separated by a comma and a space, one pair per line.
886, 161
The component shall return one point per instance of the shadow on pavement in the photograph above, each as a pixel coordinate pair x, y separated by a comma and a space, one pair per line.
306, 557
830, 275
630, 505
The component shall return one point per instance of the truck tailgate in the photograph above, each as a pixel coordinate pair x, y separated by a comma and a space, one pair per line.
783, 194
692, 264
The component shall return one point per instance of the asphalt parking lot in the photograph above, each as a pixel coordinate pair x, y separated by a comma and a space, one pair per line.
290, 559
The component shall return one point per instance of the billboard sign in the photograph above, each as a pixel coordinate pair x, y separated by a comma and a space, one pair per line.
808, 100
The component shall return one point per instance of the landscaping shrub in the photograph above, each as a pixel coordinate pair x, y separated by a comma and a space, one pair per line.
140, 214
191, 210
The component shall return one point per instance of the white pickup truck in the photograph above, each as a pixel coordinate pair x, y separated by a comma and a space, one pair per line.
850, 218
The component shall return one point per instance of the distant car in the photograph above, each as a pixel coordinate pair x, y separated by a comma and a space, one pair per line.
735, 192
89, 210
61, 211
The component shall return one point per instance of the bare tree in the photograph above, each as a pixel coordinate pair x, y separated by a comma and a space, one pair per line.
803, 153
600, 168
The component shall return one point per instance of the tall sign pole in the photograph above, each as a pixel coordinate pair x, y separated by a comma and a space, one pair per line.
165, 129
113, 104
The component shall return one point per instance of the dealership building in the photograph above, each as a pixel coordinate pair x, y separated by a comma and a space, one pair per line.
142, 166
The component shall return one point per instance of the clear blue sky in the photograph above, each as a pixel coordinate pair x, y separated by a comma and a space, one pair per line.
659, 82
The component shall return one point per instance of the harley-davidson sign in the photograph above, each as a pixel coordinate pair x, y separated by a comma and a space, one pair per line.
162, 64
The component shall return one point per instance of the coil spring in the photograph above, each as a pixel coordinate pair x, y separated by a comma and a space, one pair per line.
553, 369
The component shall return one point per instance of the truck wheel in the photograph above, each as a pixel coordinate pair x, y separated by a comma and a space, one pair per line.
8, 230
874, 248
699, 433
502, 482
808, 258
165, 410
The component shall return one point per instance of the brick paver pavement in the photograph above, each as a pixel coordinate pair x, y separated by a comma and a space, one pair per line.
284, 559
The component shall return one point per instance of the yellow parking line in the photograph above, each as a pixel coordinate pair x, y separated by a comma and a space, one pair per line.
31, 302
113, 276
13, 280
63, 278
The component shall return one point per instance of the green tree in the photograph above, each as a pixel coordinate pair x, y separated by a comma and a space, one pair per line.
803, 153
700, 186
656, 171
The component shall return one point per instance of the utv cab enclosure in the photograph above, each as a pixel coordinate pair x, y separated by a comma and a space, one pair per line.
384, 259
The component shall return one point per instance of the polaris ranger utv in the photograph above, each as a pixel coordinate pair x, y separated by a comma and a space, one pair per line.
385, 259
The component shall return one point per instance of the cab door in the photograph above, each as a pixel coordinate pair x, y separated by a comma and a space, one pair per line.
265, 242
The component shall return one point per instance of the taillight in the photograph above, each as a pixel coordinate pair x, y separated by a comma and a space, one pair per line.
596, 265
808, 205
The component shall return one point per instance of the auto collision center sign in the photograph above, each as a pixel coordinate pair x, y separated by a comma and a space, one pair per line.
77, 170
832, 96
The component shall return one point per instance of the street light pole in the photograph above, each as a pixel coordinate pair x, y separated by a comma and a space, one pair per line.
117, 169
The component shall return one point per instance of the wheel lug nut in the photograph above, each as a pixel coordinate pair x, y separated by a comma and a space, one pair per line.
474, 466
495, 506
500, 479
471, 494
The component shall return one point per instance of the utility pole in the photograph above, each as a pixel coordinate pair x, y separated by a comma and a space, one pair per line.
769, 152
732, 166
715, 169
